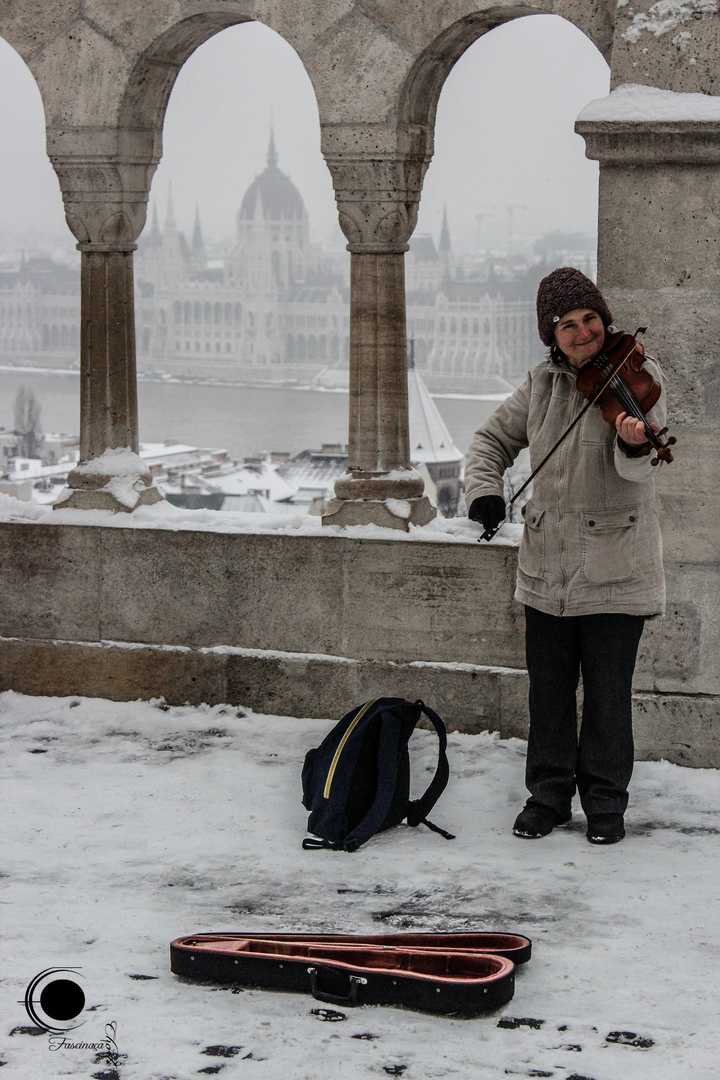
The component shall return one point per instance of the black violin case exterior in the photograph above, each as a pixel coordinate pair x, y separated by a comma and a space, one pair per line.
463, 974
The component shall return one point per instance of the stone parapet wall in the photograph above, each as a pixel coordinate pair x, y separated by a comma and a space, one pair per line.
361, 599
298, 625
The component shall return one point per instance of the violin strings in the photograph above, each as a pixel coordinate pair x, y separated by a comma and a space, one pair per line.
626, 398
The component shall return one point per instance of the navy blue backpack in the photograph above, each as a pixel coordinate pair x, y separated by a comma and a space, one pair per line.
357, 782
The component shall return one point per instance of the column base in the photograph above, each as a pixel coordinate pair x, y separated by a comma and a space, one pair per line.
104, 499
117, 480
389, 513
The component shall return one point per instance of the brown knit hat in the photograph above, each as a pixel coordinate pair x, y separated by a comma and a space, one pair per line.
566, 289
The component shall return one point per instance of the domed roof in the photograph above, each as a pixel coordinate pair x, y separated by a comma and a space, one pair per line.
279, 198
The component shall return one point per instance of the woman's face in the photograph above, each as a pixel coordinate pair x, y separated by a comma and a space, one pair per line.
580, 335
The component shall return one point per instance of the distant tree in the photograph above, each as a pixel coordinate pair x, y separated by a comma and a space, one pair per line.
27, 423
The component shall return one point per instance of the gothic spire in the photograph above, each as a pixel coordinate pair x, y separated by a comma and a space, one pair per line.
272, 157
198, 245
445, 244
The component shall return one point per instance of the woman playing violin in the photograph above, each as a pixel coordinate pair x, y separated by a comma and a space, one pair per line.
589, 566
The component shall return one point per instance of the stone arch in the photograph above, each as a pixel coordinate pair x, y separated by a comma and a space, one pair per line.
109, 139
422, 87
150, 83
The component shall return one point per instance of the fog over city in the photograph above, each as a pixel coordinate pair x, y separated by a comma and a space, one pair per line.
507, 162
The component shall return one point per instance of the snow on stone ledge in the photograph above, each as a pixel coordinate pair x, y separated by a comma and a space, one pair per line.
125, 471
164, 516
637, 104
119, 462
665, 16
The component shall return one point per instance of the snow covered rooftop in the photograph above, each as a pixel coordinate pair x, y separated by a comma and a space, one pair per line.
126, 825
430, 440
313, 469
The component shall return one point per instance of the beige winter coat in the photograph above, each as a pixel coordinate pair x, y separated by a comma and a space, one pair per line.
591, 541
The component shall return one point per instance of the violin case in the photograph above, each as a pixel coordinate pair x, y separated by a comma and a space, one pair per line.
464, 974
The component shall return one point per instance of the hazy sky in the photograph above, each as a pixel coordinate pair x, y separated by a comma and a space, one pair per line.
504, 136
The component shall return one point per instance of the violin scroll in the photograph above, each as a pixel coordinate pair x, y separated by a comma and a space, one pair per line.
665, 455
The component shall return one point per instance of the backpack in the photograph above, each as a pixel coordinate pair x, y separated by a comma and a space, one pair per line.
357, 782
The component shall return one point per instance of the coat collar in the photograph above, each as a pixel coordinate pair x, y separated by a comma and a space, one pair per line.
562, 367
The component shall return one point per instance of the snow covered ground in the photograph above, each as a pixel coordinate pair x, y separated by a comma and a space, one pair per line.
126, 825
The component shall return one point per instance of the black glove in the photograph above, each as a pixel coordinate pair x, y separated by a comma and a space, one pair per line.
489, 510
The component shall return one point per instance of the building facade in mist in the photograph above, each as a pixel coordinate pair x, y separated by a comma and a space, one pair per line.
271, 310
471, 323
40, 314
275, 308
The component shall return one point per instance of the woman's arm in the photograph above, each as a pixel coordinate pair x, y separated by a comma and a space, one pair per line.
496, 445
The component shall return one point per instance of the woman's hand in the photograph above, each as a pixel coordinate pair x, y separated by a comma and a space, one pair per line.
489, 510
632, 431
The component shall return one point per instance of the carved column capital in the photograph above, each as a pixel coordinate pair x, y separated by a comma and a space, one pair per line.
105, 182
377, 200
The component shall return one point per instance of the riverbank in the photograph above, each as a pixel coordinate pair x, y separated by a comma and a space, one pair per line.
166, 378
240, 419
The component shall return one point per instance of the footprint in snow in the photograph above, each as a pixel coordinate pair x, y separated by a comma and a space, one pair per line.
629, 1038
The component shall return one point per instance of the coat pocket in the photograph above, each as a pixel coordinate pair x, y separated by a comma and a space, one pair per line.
609, 540
531, 556
594, 430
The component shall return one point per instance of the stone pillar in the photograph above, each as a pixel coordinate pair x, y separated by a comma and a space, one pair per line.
105, 204
377, 201
659, 266
108, 390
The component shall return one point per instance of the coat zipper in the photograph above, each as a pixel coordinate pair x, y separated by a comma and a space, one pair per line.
336, 756
561, 516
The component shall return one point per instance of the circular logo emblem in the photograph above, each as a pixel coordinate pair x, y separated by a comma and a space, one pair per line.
54, 1000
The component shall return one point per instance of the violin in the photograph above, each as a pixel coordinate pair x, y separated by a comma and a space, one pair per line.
616, 381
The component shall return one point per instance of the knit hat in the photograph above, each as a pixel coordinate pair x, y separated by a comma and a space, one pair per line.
566, 289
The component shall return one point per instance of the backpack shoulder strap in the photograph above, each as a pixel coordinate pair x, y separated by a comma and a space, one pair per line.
418, 809
388, 742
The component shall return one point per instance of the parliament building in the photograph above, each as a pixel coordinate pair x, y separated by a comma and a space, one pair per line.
275, 309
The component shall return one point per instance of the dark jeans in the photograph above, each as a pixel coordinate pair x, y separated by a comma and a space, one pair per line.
600, 761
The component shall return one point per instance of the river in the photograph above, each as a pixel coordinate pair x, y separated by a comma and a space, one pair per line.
242, 420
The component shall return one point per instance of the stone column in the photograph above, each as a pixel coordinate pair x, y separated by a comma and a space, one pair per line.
106, 203
659, 265
377, 201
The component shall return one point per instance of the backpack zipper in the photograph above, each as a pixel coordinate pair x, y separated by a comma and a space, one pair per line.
351, 727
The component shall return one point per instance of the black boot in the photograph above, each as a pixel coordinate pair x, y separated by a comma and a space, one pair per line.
536, 820
605, 828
